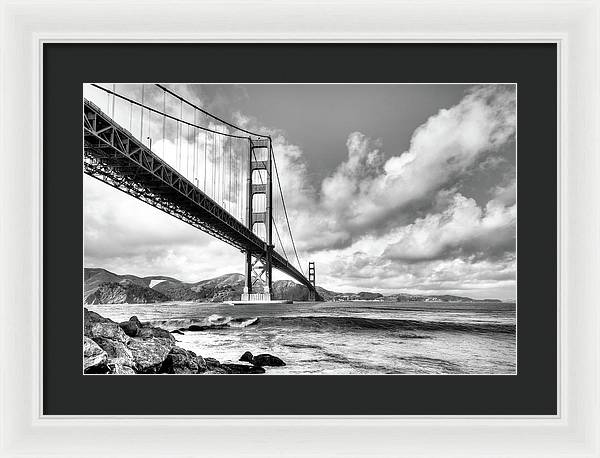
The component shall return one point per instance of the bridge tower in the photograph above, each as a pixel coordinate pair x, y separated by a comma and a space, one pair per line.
259, 208
312, 293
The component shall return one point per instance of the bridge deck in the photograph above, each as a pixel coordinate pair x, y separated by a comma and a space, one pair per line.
113, 155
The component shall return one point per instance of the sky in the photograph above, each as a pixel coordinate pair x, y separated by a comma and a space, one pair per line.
389, 188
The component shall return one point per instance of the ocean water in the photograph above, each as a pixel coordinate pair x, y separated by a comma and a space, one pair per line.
365, 338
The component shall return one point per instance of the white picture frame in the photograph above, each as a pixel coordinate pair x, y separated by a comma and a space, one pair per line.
573, 25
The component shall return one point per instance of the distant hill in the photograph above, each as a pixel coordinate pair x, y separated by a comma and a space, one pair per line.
124, 292
177, 291
103, 286
224, 288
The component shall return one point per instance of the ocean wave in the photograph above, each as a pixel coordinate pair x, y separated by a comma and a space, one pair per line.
172, 324
201, 324
242, 322
218, 320
316, 322
214, 322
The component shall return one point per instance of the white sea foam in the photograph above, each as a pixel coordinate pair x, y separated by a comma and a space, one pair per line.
218, 319
242, 323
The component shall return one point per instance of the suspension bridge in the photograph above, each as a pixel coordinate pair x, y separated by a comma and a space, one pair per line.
161, 148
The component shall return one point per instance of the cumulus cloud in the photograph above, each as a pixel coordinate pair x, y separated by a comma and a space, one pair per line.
463, 229
368, 193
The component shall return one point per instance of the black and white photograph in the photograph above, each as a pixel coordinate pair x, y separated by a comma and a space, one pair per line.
299, 229
357, 229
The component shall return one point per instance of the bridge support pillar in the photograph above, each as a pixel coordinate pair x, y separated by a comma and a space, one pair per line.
312, 293
248, 274
258, 282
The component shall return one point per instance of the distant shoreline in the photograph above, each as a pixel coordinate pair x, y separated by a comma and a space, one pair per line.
174, 302
104, 287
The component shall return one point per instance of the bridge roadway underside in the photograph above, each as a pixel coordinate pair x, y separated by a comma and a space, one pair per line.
114, 156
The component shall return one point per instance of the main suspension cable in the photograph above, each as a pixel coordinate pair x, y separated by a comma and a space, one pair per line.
108, 91
285, 208
208, 113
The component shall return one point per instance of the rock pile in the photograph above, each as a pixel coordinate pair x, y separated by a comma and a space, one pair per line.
132, 347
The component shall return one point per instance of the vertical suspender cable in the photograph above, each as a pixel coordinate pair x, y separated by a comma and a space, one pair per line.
187, 152
197, 148
221, 162
214, 163
113, 99
164, 139
237, 207
229, 193
242, 188
216, 167
240, 182
225, 159
149, 128
179, 135
195, 158
220, 169
226, 178
142, 117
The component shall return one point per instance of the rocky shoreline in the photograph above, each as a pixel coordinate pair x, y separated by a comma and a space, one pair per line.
132, 347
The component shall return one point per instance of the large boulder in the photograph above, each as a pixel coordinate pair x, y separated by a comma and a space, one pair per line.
96, 326
214, 366
180, 361
262, 360
94, 357
211, 363
135, 328
118, 353
202, 366
149, 354
147, 332
131, 327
